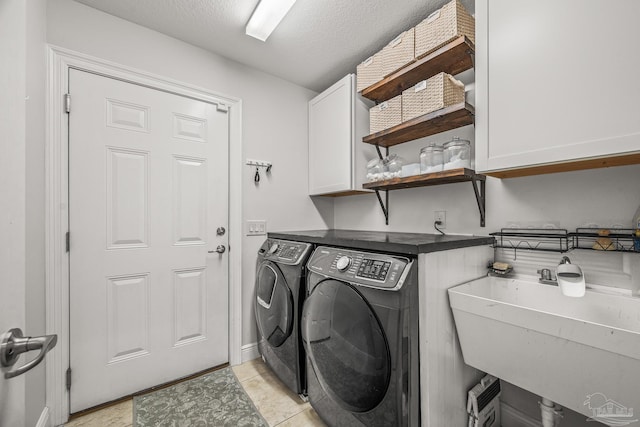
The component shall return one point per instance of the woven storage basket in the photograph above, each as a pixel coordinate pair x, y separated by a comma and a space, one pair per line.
438, 92
442, 26
385, 115
399, 52
370, 71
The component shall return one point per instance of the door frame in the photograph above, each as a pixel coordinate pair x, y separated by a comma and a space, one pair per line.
60, 61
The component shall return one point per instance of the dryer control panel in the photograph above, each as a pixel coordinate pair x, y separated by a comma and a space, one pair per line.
364, 268
284, 251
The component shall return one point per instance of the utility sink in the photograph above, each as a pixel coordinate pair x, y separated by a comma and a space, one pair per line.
583, 353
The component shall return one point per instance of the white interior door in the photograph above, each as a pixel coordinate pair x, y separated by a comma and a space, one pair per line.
148, 187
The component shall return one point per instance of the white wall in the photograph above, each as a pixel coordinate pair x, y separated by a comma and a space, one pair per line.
12, 184
274, 122
35, 132
23, 129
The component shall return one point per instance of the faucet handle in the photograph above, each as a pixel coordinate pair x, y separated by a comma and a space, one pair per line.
545, 274
565, 260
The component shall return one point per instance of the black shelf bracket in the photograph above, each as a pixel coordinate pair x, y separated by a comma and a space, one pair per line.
380, 152
385, 209
480, 197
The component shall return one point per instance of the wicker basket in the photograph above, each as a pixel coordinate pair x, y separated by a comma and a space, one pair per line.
399, 52
385, 115
442, 26
438, 92
369, 72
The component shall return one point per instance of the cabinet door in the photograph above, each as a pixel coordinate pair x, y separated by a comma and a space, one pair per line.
331, 133
556, 81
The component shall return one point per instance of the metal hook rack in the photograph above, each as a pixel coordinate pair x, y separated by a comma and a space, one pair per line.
259, 164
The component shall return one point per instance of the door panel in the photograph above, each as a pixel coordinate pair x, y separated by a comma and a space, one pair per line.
189, 287
148, 186
127, 216
127, 317
189, 201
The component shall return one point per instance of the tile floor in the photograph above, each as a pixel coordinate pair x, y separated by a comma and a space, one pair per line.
279, 406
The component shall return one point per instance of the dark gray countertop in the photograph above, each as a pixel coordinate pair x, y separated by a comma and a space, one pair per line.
400, 243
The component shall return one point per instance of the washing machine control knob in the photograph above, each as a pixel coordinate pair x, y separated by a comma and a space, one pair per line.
273, 248
343, 263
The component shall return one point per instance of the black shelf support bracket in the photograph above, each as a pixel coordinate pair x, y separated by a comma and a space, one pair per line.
480, 197
379, 152
385, 209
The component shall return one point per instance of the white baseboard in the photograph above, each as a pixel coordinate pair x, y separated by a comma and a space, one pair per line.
512, 417
43, 421
249, 352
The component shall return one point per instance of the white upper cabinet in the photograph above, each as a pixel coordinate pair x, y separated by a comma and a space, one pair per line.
338, 119
557, 85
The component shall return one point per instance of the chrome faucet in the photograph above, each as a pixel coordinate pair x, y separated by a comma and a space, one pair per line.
565, 260
546, 278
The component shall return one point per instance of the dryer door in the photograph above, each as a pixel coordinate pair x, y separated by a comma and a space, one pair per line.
346, 345
274, 304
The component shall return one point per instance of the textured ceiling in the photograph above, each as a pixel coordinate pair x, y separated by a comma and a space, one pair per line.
317, 43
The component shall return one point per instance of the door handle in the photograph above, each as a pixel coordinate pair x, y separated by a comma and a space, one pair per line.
220, 249
14, 344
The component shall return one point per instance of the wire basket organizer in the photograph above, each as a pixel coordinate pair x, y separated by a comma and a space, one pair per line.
617, 239
539, 239
561, 240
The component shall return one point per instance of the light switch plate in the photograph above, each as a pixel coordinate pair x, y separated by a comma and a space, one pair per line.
256, 227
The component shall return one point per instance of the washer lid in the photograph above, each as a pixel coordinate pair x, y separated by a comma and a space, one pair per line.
346, 345
273, 305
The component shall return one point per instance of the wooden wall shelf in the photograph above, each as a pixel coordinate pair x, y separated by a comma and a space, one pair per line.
425, 180
453, 58
438, 178
448, 118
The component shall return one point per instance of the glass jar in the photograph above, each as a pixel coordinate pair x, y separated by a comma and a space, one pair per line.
431, 158
393, 166
374, 170
457, 154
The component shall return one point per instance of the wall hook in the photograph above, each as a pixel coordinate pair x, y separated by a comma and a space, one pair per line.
256, 178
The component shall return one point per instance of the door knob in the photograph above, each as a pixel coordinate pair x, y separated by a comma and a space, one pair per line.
220, 249
14, 344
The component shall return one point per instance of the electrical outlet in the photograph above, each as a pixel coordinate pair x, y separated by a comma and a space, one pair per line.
256, 228
442, 217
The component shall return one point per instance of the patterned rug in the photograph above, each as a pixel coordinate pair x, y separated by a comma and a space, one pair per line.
214, 399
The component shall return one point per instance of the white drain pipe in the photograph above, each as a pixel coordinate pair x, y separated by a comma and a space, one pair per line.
551, 413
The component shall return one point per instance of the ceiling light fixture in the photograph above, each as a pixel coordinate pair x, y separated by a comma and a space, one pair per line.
266, 17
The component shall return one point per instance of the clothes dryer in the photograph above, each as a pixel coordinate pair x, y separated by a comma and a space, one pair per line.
280, 292
360, 331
